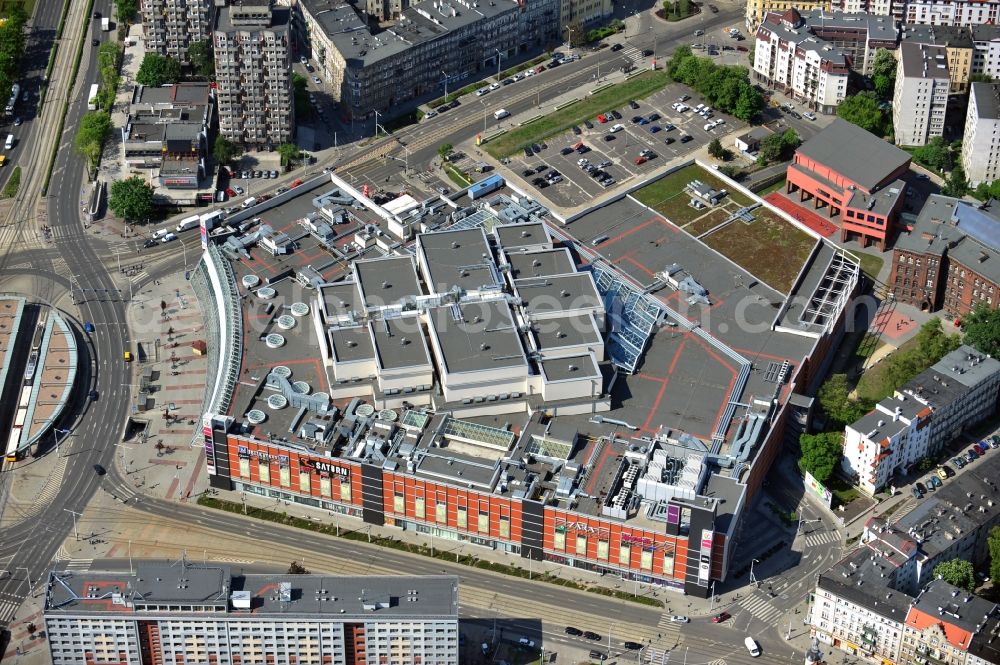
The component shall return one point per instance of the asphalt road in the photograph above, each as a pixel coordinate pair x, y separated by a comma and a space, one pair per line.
27, 548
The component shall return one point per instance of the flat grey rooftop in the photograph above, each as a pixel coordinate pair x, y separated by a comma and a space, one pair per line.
386, 281
351, 344
341, 298
535, 264
860, 578
458, 258
225, 22
399, 343
923, 60
162, 583
483, 337
951, 605
570, 368
987, 100
566, 331
841, 146
513, 237
558, 293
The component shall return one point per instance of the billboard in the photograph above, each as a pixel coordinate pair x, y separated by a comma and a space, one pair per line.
818, 489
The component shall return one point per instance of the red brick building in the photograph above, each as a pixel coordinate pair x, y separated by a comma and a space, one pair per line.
855, 176
949, 258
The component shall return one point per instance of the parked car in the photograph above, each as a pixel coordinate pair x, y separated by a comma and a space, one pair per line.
577, 130
632, 103
588, 124
973, 454
934, 482
617, 47
679, 619
916, 493
640, 160
566, 151
668, 140
616, 128
685, 138
722, 616
591, 635
575, 632
959, 462
713, 9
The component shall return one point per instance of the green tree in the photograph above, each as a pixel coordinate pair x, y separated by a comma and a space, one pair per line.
224, 150
90, 136
956, 184
958, 572
126, 9
300, 92
12, 43
936, 154
157, 70
982, 330
933, 343
715, 149
289, 152
993, 542
200, 56
820, 453
296, 568
863, 110
749, 104
980, 78
834, 399
576, 33
884, 73
131, 199
772, 147
444, 150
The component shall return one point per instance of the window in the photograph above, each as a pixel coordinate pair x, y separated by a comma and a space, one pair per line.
398, 503
646, 560
559, 540
602, 550
505, 527
419, 509
668, 563
441, 511
462, 517
264, 471
244, 467
484, 522
305, 482
345, 490
624, 555
581, 544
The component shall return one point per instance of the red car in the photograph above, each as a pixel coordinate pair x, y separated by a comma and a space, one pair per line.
602, 118
719, 618
640, 160
539, 69
230, 192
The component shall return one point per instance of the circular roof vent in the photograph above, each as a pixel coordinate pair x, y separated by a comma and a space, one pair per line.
266, 293
387, 415
301, 387
250, 281
286, 321
277, 401
256, 416
299, 308
275, 341
282, 371
365, 410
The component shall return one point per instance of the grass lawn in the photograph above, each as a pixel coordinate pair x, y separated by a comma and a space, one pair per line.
709, 221
771, 188
769, 248
873, 384
870, 264
10, 189
456, 176
667, 196
589, 106
843, 493
7, 5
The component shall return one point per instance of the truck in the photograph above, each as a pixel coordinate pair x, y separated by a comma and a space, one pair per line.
92, 98
15, 92
188, 223
105, 24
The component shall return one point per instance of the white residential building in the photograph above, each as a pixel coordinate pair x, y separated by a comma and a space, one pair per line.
171, 26
921, 96
981, 143
790, 58
891, 437
950, 12
986, 56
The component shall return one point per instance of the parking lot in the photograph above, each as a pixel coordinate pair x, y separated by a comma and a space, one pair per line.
613, 147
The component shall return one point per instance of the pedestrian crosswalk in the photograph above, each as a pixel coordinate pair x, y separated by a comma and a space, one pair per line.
7, 610
632, 53
78, 565
760, 607
822, 538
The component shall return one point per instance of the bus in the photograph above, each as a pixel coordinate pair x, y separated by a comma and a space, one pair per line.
15, 92
92, 98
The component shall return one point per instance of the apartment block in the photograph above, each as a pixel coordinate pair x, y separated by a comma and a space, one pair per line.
432, 45
757, 10
941, 624
789, 57
920, 101
958, 45
949, 258
986, 53
182, 613
253, 72
936, 406
171, 26
950, 12
893, 436
981, 142
578, 14
858, 35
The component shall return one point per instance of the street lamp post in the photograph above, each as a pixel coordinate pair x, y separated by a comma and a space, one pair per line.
569, 42
76, 534
498, 63
55, 433
485, 111
445, 85
753, 580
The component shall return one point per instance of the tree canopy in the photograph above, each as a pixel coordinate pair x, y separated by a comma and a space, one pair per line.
864, 111
725, 87
936, 154
126, 9
884, 73
224, 150
289, 152
93, 130
993, 543
820, 453
11, 47
982, 329
131, 199
778, 147
958, 572
834, 399
956, 184
200, 55
157, 70
901, 366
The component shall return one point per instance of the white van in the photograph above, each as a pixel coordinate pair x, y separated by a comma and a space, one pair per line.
250, 201
188, 223
9, 143
160, 233
502, 113
751, 646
